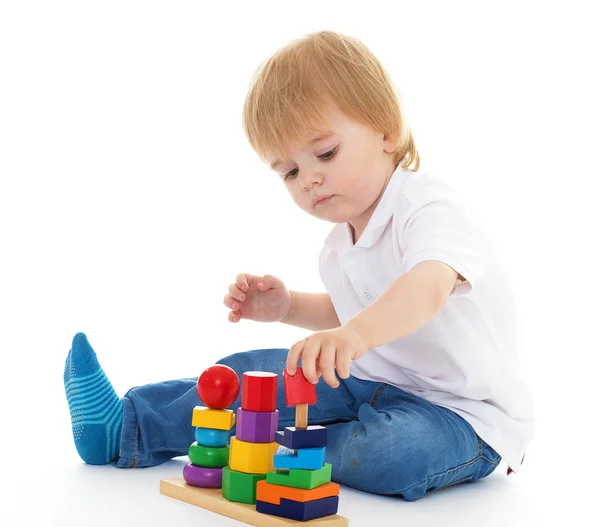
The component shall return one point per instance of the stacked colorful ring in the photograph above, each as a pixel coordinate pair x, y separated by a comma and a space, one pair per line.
218, 387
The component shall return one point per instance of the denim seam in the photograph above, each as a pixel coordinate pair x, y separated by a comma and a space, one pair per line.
479, 456
377, 393
135, 445
490, 461
463, 480
373, 403
449, 471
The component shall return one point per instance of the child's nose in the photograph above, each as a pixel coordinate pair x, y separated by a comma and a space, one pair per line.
309, 179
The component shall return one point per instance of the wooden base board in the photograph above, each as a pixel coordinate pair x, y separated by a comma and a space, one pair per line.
213, 500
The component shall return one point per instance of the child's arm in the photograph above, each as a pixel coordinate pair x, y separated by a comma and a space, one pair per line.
312, 311
407, 305
265, 298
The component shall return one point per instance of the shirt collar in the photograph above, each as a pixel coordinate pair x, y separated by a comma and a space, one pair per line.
340, 237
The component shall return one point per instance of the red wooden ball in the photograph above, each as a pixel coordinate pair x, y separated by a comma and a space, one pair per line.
218, 386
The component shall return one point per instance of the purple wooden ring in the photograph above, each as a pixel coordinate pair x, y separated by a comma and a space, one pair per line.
205, 477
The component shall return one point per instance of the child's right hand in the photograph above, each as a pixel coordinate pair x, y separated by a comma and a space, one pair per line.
259, 298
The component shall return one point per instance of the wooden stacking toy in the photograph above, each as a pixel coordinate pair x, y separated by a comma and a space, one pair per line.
253, 447
261, 476
218, 387
301, 488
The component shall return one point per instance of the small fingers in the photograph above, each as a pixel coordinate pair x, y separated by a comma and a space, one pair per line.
243, 281
327, 360
234, 316
342, 365
231, 302
293, 357
236, 292
233, 298
268, 282
310, 355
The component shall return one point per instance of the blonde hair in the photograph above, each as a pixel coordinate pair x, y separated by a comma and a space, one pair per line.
290, 91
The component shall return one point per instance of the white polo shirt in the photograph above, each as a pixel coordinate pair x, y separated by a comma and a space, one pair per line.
463, 359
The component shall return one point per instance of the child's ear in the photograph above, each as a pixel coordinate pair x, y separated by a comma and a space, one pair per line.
390, 142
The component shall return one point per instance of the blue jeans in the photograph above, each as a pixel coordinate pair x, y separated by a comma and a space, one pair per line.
380, 439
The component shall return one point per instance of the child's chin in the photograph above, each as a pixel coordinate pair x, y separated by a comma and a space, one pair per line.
333, 216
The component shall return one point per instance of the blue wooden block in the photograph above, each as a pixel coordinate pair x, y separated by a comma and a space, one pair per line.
212, 437
312, 437
305, 459
300, 511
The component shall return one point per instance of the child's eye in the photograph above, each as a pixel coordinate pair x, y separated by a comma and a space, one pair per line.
325, 157
291, 173
328, 155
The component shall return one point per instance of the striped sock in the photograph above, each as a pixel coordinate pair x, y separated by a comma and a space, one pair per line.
96, 410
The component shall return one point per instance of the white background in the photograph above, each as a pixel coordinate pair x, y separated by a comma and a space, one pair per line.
130, 199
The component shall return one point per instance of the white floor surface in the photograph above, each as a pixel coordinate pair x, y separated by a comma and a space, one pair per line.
51, 486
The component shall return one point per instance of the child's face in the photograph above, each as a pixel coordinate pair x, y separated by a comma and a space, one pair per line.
349, 167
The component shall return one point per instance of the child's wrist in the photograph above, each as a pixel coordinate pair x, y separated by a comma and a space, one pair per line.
286, 316
358, 336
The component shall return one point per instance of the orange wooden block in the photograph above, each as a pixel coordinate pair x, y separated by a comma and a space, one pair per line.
273, 493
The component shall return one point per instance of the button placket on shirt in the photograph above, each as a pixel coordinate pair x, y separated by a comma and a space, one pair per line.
352, 263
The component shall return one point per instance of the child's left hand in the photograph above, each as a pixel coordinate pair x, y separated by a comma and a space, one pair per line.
326, 351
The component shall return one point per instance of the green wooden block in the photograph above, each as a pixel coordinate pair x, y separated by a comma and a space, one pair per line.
301, 479
239, 486
208, 456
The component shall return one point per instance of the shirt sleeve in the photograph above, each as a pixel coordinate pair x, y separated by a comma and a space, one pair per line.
437, 228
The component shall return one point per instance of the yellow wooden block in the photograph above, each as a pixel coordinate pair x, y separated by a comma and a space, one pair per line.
251, 458
204, 417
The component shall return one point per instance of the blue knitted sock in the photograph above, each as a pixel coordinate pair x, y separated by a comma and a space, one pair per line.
96, 410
